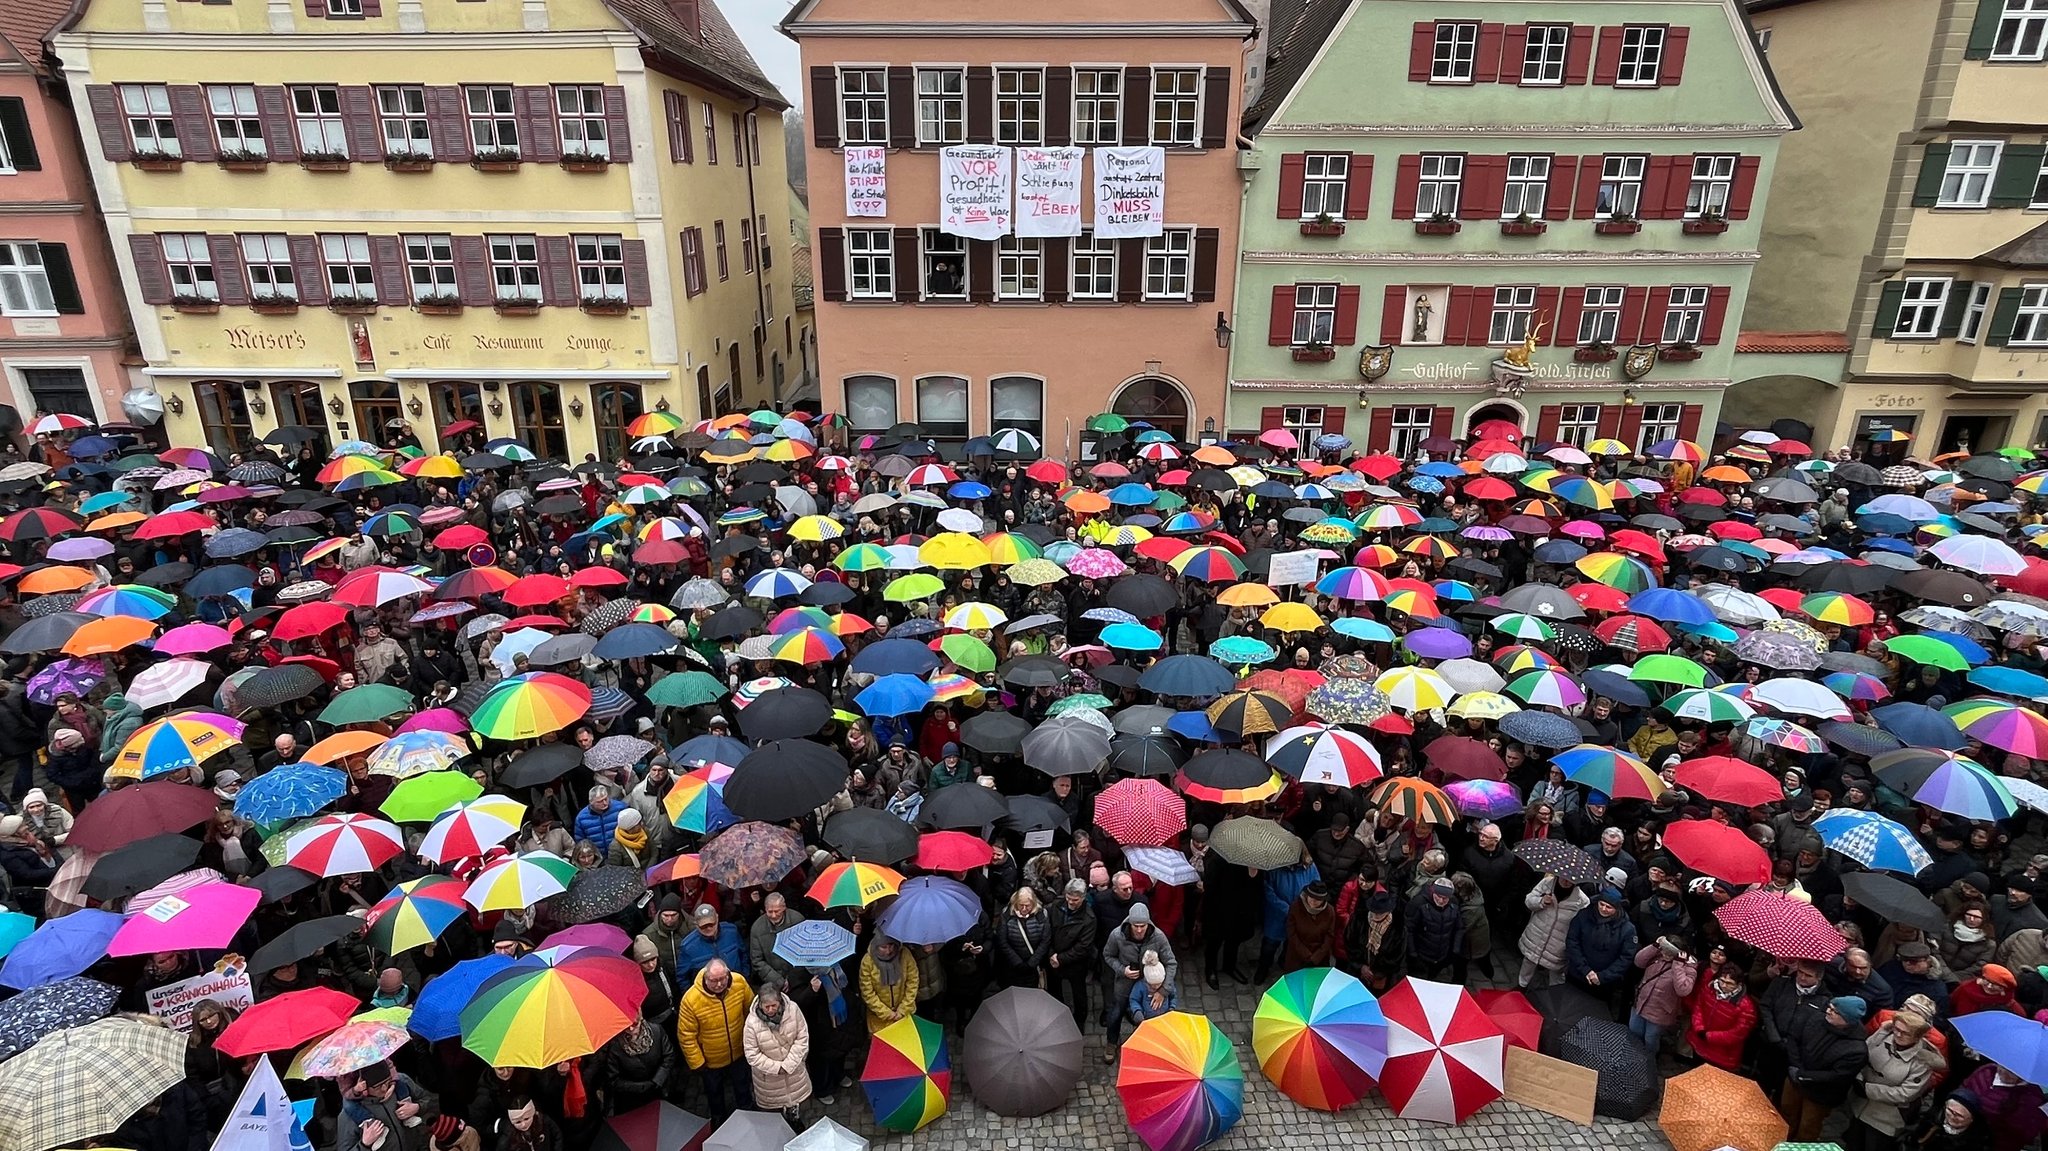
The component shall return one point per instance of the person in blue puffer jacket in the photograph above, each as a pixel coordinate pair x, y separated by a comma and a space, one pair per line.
1282, 886
597, 822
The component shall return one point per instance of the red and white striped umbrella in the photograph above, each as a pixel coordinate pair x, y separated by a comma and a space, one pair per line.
1444, 1052
375, 589
1317, 753
467, 830
1141, 812
344, 845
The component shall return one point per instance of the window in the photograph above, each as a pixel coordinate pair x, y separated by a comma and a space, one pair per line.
1020, 106
150, 128
864, 105
1017, 402
515, 269
1600, 318
718, 242
235, 121
1660, 423
870, 403
537, 413
871, 264
1306, 422
1543, 56
1578, 424
739, 140
1437, 194
942, 407
613, 406
747, 246
267, 258
1170, 265
1315, 316
1456, 47
945, 265
350, 276
710, 133
1920, 309
24, 284
223, 415
299, 404
2040, 197
1621, 187
1324, 177
1642, 50
1707, 195
344, 7
1176, 107
1098, 106
1686, 315
190, 264
1528, 182
753, 139
1411, 425
600, 268
767, 249
1019, 262
1513, 310
941, 106
579, 114
2020, 30
1973, 313
1966, 182
402, 110
430, 265
1094, 270
693, 262
316, 112
2030, 325
493, 122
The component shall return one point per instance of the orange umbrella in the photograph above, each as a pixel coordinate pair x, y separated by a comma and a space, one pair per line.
1708, 1108
109, 522
1211, 454
109, 634
1725, 474
342, 745
1087, 503
63, 577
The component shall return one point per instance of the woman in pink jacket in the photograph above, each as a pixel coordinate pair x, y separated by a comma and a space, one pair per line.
1669, 972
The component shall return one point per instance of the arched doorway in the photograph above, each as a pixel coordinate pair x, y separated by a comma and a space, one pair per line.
380, 409
1157, 401
1507, 410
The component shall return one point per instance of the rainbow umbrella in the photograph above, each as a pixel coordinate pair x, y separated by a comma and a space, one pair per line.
552, 1006
696, 802
1617, 571
415, 913
864, 558
1209, 564
1966, 789
519, 881
130, 600
470, 829
908, 1074
1608, 770
1011, 548
808, 646
854, 885
2007, 727
1837, 608
1320, 1037
1546, 687
174, 742
1855, 686
1484, 798
1180, 1082
529, 706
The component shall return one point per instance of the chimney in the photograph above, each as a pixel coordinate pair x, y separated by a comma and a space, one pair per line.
687, 14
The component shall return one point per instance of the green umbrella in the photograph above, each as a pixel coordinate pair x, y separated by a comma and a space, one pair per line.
421, 798
1662, 668
366, 704
913, 587
1928, 650
1168, 501
970, 653
1075, 702
1107, 422
686, 689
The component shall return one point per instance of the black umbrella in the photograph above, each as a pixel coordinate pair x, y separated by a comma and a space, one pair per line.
1563, 1006
1716, 558
1148, 755
167, 575
559, 505
293, 434
995, 733
1894, 899
1143, 595
599, 893
730, 622
608, 615
786, 778
540, 765
787, 713
484, 461
733, 546
1024, 671
51, 604
1629, 1083
871, 836
301, 940
1855, 579
761, 472
139, 866
1227, 769
1946, 587
962, 806
1556, 857
39, 1011
826, 593
282, 882
276, 685
1029, 813
46, 634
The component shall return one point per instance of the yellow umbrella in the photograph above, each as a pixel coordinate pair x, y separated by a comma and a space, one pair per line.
976, 616
1483, 705
954, 550
730, 452
817, 529
1291, 617
1415, 688
1247, 595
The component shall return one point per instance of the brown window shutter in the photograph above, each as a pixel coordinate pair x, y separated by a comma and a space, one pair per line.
1680, 184
1717, 315
1657, 188
1547, 418
639, 291
902, 108
981, 271
557, 272
1054, 268
307, 268
1743, 191
909, 267
687, 133
1547, 306
1394, 314
372, 9
194, 123
109, 121
233, 282
1557, 198
1380, 435
1130, 271
1514, 46
151, 277
1421, 50
1137, 106
1578, 54
823, 111
1587, 199
1631, 426
1208, 249
1486, 67
316, 9
1293, 173
1345, 331
1440, 420
1459, 316
473, 271
387, 265
831, 264
1689, 421
1280, 321
448, 125
1271, 418
1607, 63
1333, 419
981, 106
1486, 182
1216, 93
538, 138
1610, 421
1479, 318
1671, 69
618, 131
1634, 309
274, 109
361, 124
1358, 187
1059, 106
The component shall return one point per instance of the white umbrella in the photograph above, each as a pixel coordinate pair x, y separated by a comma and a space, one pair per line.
1981, 555
1163, 864
960, 520
521, 642
1469, 675
145, 408
167, 682
1732, 605
1799, 696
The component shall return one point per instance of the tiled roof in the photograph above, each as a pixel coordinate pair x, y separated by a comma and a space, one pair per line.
24, 24
711, 47
1791, 342
2026, 251
1299, 30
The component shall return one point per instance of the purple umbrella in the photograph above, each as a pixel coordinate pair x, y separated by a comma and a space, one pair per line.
602, 936
931, 909
436, 719
67, 676
193, 639
1437, 643
1484, 798
224, 494
1487, 533
76, 550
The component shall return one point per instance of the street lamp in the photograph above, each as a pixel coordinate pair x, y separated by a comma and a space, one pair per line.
1223, 332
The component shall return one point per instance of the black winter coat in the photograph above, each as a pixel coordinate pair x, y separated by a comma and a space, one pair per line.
1435, 934
1824, 1058
1073, 938
1023, 944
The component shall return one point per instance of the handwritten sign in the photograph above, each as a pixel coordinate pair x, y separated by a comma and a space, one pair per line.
1549, 1085
867, 181
1130, 192
974, 191
1049, 191
1289, 569
173, 1002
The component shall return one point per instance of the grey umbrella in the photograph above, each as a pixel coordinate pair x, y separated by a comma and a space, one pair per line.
1629, 1084
1989, 468
46, 634
1777, 649
600, 892
796, 501
1785, 490
1066, 745
1022, 1053
1142, 719
1541, 599
750, 1131
1251, 842
1853, 661
1856, 472
995, 733
561, 649
617, 751
236, 542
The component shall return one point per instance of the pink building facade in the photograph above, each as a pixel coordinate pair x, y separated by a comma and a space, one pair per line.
970, 337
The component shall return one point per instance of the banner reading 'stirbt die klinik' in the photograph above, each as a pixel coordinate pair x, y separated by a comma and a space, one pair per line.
867, 181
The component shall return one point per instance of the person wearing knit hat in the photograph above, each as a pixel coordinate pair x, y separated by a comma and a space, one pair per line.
1824, 1052
50, 822
1991, 990
452, 1134
1849, 1007
632, 845
1600, 949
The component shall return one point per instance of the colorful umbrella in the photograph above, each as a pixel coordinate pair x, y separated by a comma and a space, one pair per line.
1320, 1037
344, 844
82, 1083
908, 1074
1707, 1108
529, 706
696, 800
291, 791
1314, 753
1180, 1082
519, 881
415, 913
1872, 840
1963, 788
1484, 798
551, 1006
175, 742
472, 828
1609, 770
411, 753
853, 885
1415, 799
1444, 1053
351, 1047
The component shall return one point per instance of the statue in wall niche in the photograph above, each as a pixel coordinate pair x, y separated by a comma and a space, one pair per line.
1423, 311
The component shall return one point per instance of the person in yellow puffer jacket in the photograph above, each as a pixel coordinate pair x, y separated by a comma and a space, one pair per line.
711, 1023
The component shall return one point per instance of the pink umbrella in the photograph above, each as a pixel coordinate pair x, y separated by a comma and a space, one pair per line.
193, 639
602, 936
1096, 563
345, 844
1444, 1052
84, 548
206, 916
177, 884
1279, 438
436, 719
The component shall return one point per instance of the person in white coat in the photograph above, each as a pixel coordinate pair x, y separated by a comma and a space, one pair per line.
1552, 904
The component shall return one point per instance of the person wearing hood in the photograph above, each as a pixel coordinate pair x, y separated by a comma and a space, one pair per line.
1956, 1125
777, 1043
1824, 1053
1311, 930
1600, 947
1554, 905
888, 982
122, 720
710, 1029
1123, 964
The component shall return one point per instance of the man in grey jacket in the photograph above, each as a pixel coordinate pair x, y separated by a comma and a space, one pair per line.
777, 916
1123, 964
385, 1111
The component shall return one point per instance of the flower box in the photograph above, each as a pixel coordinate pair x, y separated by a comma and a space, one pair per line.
275, 306
195, 305
243, 162
499, 160
604, 307
445, 306
1523, 227
585, 163
317, 162
1322, 227
1436, 227
1314, 355
1594, 354
517, 307
1704, 226
409, 163
352, 305
158, 161
1678, 354
1617, 227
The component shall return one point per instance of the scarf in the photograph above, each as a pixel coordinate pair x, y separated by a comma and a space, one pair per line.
834, 981
575, 1100
890, 970
1964, 933
1378, 922
634, 841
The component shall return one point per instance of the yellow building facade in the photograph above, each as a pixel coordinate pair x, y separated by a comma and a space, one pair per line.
374, 216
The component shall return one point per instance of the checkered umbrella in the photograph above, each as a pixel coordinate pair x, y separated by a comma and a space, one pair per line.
84, 1082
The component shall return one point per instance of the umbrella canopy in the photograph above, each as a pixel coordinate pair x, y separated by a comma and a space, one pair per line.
1894, 899
1022, 1051
436, 1013
52, 1007
1707, 1108
1140, 812
1515, 1015
2016, 1043
206, 916
551, 1006
658, 1126
1252, 842
1066, 745
1872, 840
60, 949
1443, 1052
287, 1021
814, 943
1718, 850
1180, 1082
784, 779
351, 1047
1780, 926
930, 909
139, 811
1320, 1037
302, 940
83, 1082
750, 1131
752, 854
909, 1074
1628, 1070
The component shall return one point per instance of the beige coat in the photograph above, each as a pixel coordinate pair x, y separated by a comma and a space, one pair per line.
1893, 1080
776, 1054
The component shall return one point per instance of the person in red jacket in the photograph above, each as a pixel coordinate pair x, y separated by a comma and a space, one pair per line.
1990, 991
1722, 1020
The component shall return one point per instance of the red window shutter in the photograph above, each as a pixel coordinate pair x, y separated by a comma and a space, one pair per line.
618, 130
151, 277
1578, 54
1333, 419
538, 137
1486, 68
108, 121
1689, 422
1610, 420
1459, 320
1479, 321
1680, 186
1407, 186
1346, 333
373, 9
1557, 199
1744, 188
1631, 429
1546, 423
1293, 170
1280, 324
316, 9
274, 110
1380, 429
1632, 308
1547, 307
473, 271
361, 124
1656, 183
1565, 333
1717, 314
823, 109
1588, 199
1514, 46
1270, 418
1671, 69
308, 268
1358, 187
1440, 421
1394, 315
1485, 183
831, 264
1652, 330
387, 264
1607, 64
1421, 48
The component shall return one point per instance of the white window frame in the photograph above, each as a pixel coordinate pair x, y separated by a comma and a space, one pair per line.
710, 131
344, 8
1642, 56
189, 263
1098, 106
1020, 106
2022, 30
583, 129
402, 121
1305, 421
2030, 323
1600, 316
999, 418
1315, 315
1020, 268
1660, 422
316, 118
944, 386
430, 266
1528, 186
1713, 182
6, 158
1974, 311
1543, 56
1177, 107
1325, 180
1514, 309
1578, 424
941, 95
1170, 265
1621, 186
24, 281
864, 106
1440, 185
267, 262
236, 118
152, 130
600, 266
1410, 425
1093, 263
2039, 199
870, 264
1967, 177
934, 245
492, 114
351, 276
1920, 308
1454, 53
1685, 316
515, 267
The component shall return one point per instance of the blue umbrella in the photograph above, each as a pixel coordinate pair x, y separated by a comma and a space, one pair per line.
1558, 552
710, 749
1616, 687
895, 656
86, 447
1139, 495
52, 1007
968, 490
1671, 606
894, 694
608, 702
1441, 469
1132, 637
776, 583
1542, 729
1919, 725
236, 542
437, 1013
1437, 643
1109, 615
14, 927
2004, 680
634, 640
1883, 524
1361, 628
1194, 725
1242, 649
1189, 675
1428, 485
220, 580
2014, 1042
931, 909
60, 949
913, 628
814, 943
1872, 840
1968, 648
293, 791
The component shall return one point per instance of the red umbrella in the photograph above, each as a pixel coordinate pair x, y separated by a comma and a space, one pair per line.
597, 577
1464, 757
1781, 926
1489, 488
534, 590
952, 851
138, 811
1641, 543
309, 619
1279, 683
172, 524
656, 553
1443, 1052
1380, 467
1512, 1012
1633, 633
1725, 778
461, 537
535, 619
1719, 850
1140, 812
1598, 596
287, 1021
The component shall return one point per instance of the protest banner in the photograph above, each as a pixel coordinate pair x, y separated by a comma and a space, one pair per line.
1289, 569
1130, 192
173, 1002
974, 191
867, 181
1049, 191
